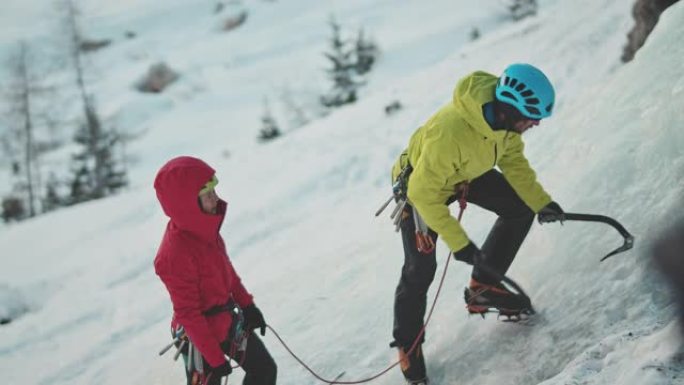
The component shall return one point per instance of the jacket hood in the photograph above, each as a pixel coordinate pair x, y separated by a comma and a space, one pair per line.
471, 93
177, 184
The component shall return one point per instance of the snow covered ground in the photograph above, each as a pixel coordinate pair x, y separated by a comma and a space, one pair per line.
300, 227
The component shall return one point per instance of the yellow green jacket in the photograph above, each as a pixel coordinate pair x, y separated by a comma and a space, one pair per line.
457, 145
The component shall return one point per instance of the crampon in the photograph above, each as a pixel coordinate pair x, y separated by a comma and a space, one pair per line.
489, 299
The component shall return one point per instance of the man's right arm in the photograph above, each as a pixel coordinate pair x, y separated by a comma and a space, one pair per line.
428, 193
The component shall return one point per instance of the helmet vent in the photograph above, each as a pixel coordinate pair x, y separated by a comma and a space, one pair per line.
532, 101
509, 95
527, 93
549, 107
520, 87
532, 110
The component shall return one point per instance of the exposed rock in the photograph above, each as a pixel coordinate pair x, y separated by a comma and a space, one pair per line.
13, 209
158, 78
233, 22
93, 45
393, 107
646, 14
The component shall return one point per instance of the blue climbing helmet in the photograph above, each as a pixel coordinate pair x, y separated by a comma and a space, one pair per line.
527, 89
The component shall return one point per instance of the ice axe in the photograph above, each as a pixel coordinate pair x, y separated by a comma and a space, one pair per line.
629, 238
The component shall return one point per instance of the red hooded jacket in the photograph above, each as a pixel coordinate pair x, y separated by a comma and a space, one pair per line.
192, 260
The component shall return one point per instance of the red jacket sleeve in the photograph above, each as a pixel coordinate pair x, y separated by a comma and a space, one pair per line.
238, 290
240, 294
181, 278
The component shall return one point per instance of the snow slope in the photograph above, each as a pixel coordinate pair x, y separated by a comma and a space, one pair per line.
300, 226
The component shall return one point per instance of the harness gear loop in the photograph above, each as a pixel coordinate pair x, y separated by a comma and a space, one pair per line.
424, 242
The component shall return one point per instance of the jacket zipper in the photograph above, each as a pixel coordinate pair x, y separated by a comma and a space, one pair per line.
496, 150
496, 153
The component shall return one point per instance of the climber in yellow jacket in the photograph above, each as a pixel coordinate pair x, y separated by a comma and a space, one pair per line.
458, 150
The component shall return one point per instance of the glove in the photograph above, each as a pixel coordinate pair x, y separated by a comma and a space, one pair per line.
470, 254
551, 213
220, 371
254, 319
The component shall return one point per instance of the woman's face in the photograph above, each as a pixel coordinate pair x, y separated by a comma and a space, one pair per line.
209, 202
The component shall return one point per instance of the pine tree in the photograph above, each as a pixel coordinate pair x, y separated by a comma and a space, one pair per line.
269, 127
342, 73
52, 199
366, 53
474, 34
96, 172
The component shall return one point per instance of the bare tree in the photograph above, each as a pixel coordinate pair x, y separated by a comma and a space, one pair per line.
20, 139
95, 171
297, 117
25, 95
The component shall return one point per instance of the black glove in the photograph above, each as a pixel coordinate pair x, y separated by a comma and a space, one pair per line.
220, 371
551, 213
254, 319
469, 254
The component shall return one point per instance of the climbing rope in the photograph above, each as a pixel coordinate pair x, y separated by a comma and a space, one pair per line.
371, 378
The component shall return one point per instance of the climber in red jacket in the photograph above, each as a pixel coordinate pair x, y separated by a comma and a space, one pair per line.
210, 303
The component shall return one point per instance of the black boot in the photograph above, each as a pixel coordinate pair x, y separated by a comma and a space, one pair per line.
480, 298
413, 366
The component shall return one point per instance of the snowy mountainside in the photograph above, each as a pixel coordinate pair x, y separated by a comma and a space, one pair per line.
300, 227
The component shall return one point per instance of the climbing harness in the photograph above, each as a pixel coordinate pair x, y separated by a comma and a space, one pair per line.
238, 336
